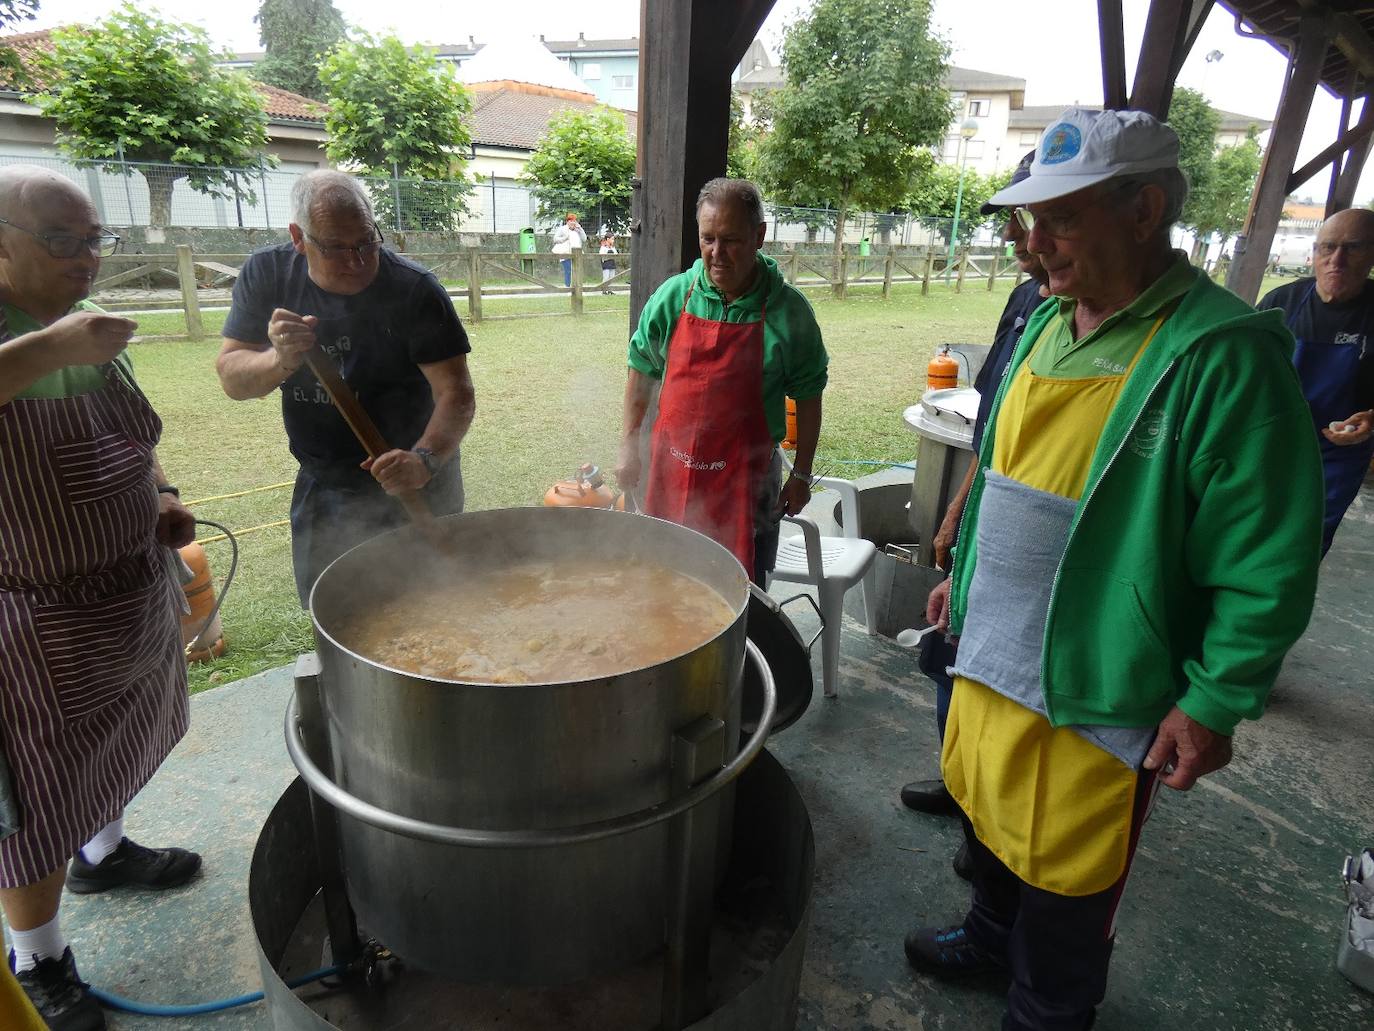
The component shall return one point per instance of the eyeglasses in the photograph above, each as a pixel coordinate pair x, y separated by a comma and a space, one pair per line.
64, 245
1357, 249
1057, 226
332, 252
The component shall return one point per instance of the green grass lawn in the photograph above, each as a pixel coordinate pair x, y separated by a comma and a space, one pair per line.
548, 399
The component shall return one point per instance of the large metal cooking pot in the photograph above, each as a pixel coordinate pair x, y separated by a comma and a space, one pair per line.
456, 799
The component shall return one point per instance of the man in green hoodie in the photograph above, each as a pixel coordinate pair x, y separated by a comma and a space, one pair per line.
729, 340
1132, 563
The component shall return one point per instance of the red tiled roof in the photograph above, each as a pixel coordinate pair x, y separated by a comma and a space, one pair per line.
517, 115
278, 103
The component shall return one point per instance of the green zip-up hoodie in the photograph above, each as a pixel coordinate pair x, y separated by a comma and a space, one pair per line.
1191, 564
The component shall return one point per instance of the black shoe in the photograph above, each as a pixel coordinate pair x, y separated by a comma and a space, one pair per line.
62, 999
963, 863
928, 796
133, 865
947, 952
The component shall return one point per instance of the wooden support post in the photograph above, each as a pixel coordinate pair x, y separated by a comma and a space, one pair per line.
930, 267
887, 276
186, 272
1251, 256
684, 125
793, 266
992, 272
1170, 29
475, 285
843, 282
577, 281
963, 267
1111, 33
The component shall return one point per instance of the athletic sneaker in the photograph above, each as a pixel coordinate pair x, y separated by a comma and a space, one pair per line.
62, 999
133, 865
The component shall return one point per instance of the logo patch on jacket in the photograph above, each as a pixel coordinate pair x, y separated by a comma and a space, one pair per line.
1150, 432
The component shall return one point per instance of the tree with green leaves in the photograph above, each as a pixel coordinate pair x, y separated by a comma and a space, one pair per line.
863, 95
584, 163
1196, 123
296, 35
935, 193
396, 111
741, 160
1221, 206
146, 90
12, 12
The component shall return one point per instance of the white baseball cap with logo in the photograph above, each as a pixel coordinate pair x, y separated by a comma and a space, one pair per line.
1083, 147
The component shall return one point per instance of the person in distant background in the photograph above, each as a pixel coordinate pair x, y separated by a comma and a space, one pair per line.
566, 237
93, 677
391, 328
607, 261
1332, 315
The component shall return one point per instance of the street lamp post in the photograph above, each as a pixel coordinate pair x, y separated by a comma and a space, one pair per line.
967, 130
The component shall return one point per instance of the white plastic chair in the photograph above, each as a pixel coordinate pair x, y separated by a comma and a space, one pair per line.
832, 565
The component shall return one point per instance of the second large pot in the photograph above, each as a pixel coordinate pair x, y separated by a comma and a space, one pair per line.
508, 758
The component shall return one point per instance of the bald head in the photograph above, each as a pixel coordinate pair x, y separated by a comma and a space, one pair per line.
28, 189
40, 208
1344, 254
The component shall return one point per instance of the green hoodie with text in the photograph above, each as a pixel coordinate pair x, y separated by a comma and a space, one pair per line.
1191, 564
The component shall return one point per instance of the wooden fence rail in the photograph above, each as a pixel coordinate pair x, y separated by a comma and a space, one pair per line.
500, 274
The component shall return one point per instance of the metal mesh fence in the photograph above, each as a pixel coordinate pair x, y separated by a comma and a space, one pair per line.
126, 193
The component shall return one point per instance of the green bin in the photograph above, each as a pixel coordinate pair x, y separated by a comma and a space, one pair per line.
527, 247
864, 247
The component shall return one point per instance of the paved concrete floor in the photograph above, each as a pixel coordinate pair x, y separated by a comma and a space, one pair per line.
1231, 919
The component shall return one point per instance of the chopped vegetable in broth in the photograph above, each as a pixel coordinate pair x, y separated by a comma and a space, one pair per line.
532, 623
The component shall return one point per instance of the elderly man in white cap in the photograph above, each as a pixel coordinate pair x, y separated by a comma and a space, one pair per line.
1130, 570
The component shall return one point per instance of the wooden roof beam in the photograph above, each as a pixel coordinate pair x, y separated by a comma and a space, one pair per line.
1347, 140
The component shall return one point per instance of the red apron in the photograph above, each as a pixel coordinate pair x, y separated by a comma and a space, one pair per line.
711, 446
92, 676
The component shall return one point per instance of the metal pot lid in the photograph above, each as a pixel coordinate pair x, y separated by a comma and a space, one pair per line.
783, 647
946, 416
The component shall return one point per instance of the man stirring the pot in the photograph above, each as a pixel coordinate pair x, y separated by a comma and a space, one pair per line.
729, 340
93, 678
391, 328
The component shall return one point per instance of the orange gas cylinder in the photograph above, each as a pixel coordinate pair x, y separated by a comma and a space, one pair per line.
943, 371
790, 442
200, 595
586, 489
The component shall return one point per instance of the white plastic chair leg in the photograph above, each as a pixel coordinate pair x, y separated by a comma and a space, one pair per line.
832, 608
870, 589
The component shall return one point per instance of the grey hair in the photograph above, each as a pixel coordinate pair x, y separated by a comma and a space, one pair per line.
328, 188
1173, 182
741, 191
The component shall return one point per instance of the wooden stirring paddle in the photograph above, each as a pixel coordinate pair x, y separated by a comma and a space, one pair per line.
368, 435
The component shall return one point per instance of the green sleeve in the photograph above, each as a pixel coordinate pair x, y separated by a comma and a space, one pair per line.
1254, 542
649, 343
804, 357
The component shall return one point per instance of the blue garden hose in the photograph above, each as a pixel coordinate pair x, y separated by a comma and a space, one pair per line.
144, 1009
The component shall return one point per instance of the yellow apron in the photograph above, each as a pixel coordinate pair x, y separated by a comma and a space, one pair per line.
1055, 808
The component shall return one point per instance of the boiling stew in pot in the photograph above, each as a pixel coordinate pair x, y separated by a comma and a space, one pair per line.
574, 619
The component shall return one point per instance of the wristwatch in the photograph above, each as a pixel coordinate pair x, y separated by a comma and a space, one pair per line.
427, 456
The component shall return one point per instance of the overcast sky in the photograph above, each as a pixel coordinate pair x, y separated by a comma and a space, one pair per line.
1058, 57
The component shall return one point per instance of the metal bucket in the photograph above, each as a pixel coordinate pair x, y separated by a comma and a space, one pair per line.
482, 826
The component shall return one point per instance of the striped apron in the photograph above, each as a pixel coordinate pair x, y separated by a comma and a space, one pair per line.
92, 677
